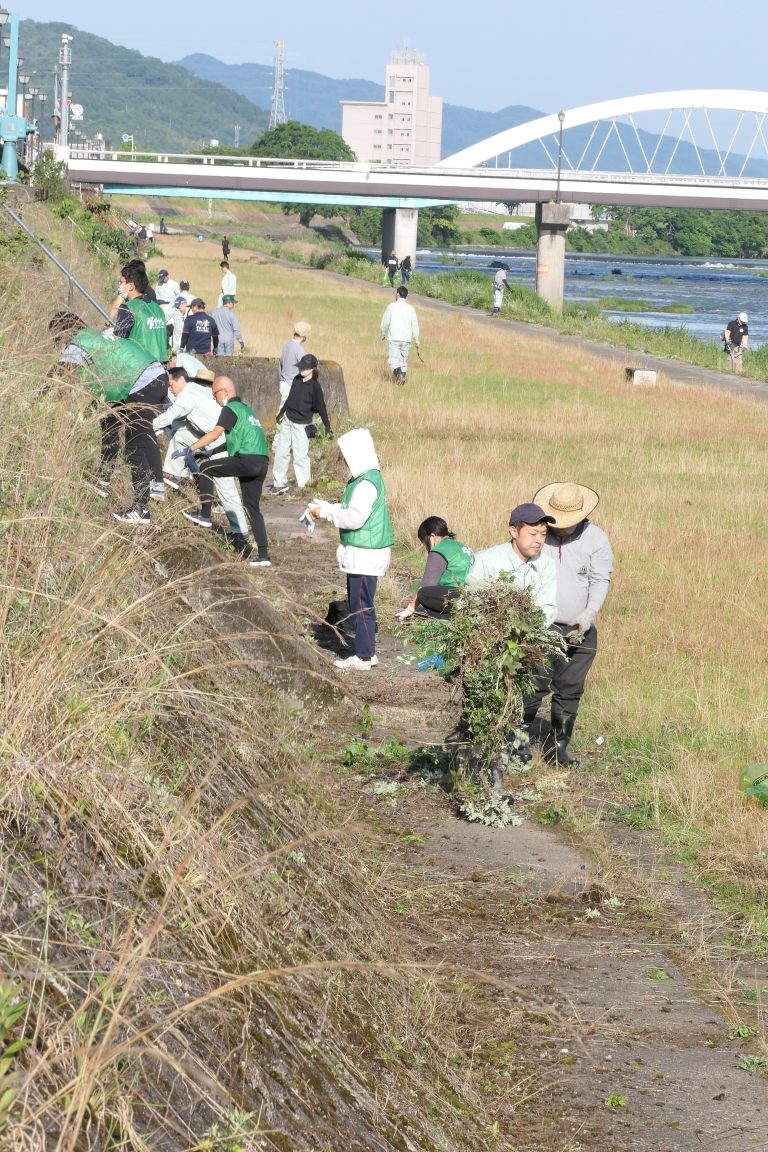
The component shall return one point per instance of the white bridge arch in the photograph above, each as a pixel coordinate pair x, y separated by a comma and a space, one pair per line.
694, 123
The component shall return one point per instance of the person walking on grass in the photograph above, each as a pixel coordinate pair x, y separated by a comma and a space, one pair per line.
736, 341
228, 283
295, 426
400, 326
134, 385
583, 559
228, 325
366, 539
448, 563
225, 248
191, 413
406, 270
244, 455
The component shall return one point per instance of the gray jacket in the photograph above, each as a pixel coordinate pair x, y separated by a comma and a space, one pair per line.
584, 563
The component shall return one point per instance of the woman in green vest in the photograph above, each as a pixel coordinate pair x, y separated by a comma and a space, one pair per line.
448, 563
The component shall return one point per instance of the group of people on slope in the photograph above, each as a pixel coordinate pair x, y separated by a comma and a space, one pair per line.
555, 553
190, 327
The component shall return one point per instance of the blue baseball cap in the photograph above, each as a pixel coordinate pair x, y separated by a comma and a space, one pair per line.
529, 514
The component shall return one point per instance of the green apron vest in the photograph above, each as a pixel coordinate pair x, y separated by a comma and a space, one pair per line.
247, 437
459, 560
115, 365
377, 530
149, 329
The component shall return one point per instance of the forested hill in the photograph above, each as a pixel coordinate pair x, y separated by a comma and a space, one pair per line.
163, 106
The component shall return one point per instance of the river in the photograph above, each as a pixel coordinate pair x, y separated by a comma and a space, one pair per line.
716, 291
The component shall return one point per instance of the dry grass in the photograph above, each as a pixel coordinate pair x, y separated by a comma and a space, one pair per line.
489, 416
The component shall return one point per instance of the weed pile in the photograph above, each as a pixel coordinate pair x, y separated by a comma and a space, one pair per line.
196, 941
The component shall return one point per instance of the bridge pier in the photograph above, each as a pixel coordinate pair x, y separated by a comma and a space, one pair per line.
398, 233
552, 220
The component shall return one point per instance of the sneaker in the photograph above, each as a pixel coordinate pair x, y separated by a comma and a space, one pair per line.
156, 490
99, 486
259, 562
355, 664
171, 481
133, 516
196, 517
217, 510
277, 489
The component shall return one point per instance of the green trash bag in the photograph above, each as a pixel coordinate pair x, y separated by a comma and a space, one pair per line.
754, 780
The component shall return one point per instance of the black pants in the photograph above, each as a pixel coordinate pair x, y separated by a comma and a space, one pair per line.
436, 599
251, 471
135, 414
565, 677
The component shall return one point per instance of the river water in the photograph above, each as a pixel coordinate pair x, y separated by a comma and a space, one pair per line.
716, 291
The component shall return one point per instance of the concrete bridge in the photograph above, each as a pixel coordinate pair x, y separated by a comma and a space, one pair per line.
703, 149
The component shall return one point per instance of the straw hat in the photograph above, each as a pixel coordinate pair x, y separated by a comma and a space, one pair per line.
569, 503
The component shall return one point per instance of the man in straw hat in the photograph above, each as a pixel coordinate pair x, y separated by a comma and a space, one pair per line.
584, 561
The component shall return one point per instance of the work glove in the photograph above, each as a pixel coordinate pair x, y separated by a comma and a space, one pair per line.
177, 455
242, 345
582, 623
320, 509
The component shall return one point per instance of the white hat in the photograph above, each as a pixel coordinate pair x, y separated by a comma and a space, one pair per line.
743, 318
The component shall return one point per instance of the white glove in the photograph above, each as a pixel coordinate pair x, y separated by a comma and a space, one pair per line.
583, 622
404, 613
307, 521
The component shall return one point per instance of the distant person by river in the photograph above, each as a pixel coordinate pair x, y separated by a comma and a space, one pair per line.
736, 341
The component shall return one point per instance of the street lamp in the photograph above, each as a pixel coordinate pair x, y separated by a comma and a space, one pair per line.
561, 118
42, 97
126, 138
24, 78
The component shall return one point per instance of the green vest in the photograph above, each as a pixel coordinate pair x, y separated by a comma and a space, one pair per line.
247, 437
459, 560
377, 530
149, 329
115, 365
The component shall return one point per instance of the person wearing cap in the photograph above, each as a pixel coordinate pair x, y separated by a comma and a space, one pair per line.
523, 558
166, 291
292, 352
736, 341
199, 334
185, 292
191, 413
228, 325
175, 318
366, 539
245, 455
400, 326
583, 559
228, 283
295, 426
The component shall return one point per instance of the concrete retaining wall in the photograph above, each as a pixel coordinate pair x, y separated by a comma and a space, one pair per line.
257, 379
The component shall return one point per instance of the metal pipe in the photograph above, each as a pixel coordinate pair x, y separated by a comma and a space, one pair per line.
72, 278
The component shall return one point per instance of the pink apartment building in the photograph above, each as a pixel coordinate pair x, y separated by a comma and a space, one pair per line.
406, 127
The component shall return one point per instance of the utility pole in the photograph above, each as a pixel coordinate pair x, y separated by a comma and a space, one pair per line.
65, 59
277, 112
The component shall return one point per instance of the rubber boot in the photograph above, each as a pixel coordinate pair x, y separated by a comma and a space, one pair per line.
397, 376
562, 729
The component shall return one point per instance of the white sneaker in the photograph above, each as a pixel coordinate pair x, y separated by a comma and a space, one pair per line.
355, 664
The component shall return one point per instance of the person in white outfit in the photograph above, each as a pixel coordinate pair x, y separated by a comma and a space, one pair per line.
400, 326
366, 539
295, 426
228, 283
499, 284
193, 412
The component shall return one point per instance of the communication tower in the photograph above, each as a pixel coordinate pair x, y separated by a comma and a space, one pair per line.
277, 112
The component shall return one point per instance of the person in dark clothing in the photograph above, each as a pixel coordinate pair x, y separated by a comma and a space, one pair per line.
200, 334
448, 563
295, 426
736, 340
392, 267
162, 225
247, 458
225, 248
406, 269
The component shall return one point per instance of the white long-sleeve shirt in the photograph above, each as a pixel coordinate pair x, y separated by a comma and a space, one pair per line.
537, 576
350, 558
196, 406
400, 322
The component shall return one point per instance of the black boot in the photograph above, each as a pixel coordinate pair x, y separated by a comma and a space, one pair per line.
562, 729
397, 376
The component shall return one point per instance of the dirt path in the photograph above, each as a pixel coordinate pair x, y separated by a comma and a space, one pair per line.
605, 1011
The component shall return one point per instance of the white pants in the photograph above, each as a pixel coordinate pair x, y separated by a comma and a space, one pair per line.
181, 435
398, 355
291, 439
498, 296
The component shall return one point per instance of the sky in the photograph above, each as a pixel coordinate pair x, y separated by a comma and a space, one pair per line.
486, 56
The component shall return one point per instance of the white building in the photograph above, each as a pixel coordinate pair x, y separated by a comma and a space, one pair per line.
406, 127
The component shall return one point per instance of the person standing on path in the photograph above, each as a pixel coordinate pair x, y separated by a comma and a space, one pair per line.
292, 352
228, 325
406, 269
366, 539
295, 427
582, 555
499, 284
736, 339
225, 248
228, 283
400, 326
246, 457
